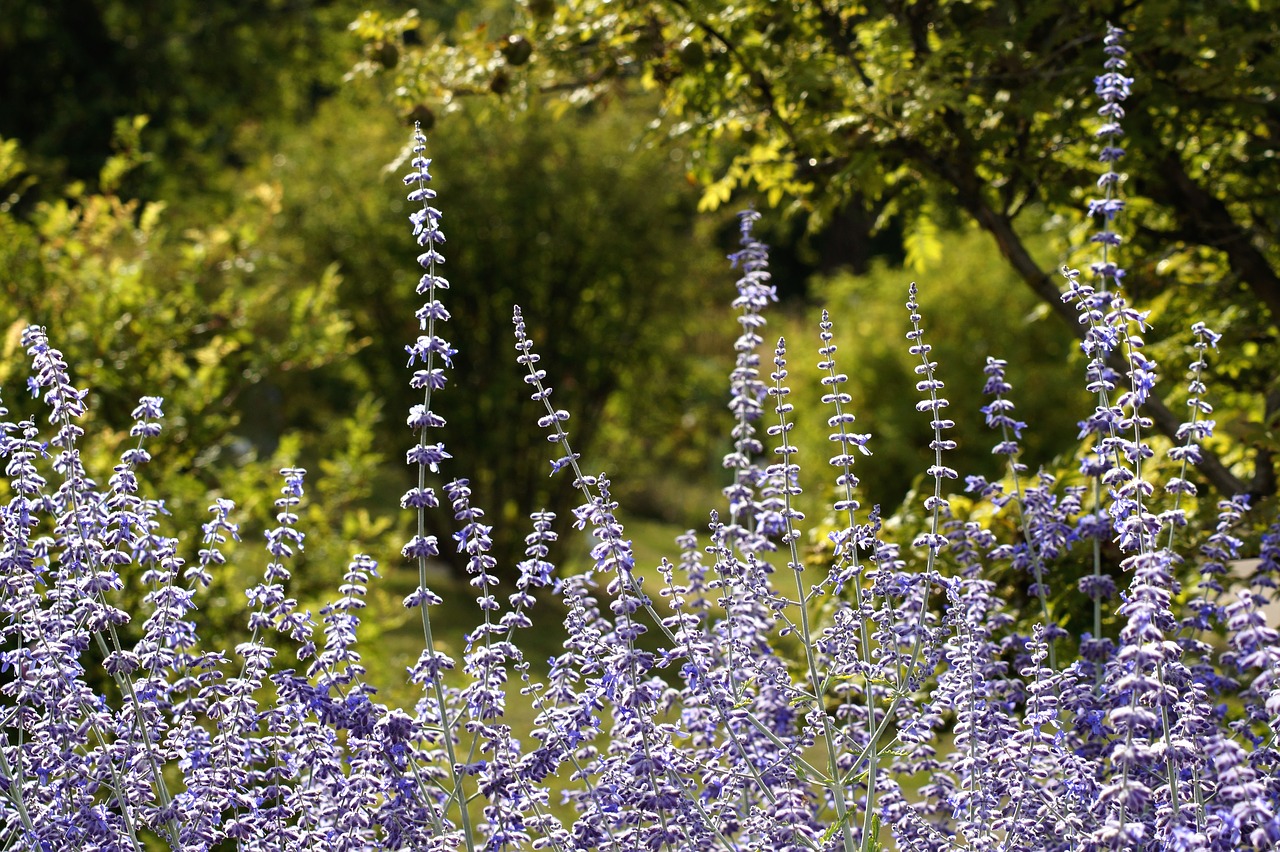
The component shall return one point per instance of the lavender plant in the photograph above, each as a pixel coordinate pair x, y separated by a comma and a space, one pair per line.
754, 700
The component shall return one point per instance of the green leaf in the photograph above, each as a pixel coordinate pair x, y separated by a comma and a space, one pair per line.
871, 841
921, 242
834, 827
717, 194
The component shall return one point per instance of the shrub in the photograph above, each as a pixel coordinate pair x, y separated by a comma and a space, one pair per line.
885, 696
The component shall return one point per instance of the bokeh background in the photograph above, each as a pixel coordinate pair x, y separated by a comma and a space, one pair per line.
202, 201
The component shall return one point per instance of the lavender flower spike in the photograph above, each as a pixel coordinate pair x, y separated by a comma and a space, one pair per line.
747, 388
1113, 87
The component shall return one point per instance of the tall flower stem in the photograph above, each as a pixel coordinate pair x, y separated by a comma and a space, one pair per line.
787, 474
429, 348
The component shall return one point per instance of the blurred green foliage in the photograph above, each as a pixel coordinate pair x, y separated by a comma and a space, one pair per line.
252, 263
214, 78
564, 215
219, 324
972, 308
888, 114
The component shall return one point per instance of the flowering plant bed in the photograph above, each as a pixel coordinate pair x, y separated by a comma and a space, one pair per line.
914, 714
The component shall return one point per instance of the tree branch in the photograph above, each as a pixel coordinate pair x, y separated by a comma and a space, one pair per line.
1013, 249
1206, 217
957, 170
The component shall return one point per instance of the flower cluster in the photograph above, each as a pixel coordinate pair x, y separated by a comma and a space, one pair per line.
764, 697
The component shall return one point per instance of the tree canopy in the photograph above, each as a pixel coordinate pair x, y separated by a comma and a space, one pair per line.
881, 112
